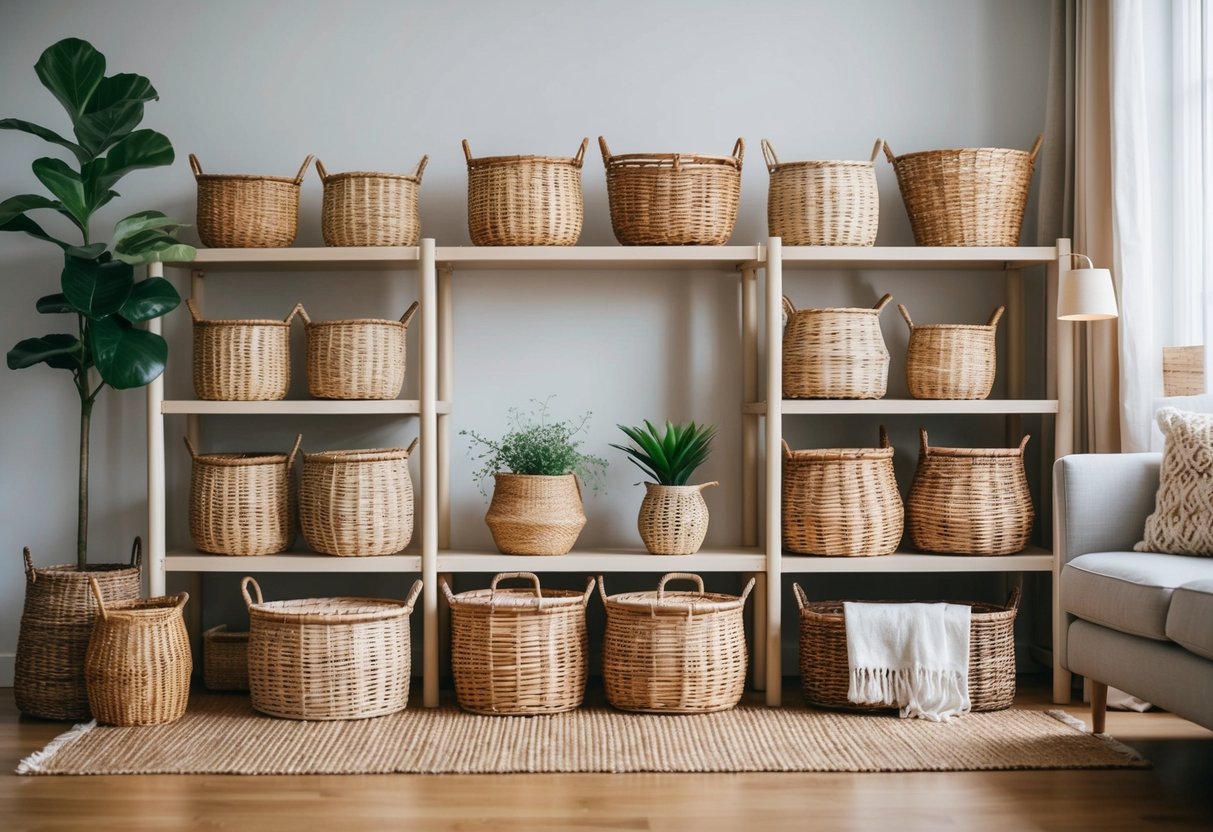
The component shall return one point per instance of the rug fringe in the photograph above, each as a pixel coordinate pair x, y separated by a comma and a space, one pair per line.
1113, 743
33, 764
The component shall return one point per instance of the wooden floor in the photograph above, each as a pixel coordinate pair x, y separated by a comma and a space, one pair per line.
1176, 794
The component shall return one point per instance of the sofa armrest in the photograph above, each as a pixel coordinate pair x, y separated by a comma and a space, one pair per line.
1101, 501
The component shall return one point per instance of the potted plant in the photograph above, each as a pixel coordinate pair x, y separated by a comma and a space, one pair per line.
108, 348
536, 507
673, 515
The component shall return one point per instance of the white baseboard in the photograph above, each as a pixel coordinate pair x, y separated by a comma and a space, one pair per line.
7, 662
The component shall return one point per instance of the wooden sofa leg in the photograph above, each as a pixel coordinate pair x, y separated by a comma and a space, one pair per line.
1099, 706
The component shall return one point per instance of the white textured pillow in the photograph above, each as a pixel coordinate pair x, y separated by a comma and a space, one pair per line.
1182, 522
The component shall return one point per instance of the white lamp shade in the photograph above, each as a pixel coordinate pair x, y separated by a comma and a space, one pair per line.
1086, 295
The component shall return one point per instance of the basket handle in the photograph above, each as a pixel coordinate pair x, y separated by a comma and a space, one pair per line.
884, 437
324, 174
29, 565
802, 600
589, 593
182, 598
446, 590
408, 314
602, 589
137, 552
290, 458
923, 447
888, 153
245, 582
467, 151
704, 485
526, 576
749, 587
300, 311
875, 151
412, 445
678, 576
883, 302
1023, 443
1013, 598
995, 315
425, 160
195, 166
96, 588
739, 151
579, 156
190, 447
303, 170
768, 155
194, 316
905, 313
412, 597
1040, 138
787, 449
788, 308
606, 151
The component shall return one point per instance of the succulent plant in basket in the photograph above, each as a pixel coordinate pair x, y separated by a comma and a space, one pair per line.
673, 515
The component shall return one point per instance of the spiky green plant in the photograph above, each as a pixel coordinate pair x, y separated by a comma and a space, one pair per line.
669, 456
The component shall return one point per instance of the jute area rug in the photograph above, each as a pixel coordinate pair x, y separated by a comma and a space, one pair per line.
223, 735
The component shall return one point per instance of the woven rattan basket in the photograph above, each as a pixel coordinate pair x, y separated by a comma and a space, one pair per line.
361, 358
673, 519
525, 200
328, 658
357, 503
365, 208
138, 664
242, 361
674, 652
822, 203
825, 674
242, 211
533, 514
673, 199
841, 502
518, 651
973, 196
834, 353
224, 659
970, 501
951, 361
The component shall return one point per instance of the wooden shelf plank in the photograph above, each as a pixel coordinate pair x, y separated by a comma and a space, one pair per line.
727, 258
1032, 559
314, 259
185, 561
996, 258
893, 407
591, 561
299, 407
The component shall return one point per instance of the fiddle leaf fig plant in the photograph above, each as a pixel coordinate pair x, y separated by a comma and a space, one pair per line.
97, 282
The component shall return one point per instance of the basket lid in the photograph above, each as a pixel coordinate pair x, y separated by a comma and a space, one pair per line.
885, 451
679, 602
532, 597
336, 610
360, 455
925, 449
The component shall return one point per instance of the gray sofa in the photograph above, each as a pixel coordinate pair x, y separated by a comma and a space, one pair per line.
1138, 621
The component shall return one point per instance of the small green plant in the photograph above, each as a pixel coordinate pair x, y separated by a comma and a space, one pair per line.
669, 456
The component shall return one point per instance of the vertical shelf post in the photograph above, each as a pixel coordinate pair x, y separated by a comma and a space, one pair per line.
1062, 386
774, 467
427, 290
155, 466
749, 464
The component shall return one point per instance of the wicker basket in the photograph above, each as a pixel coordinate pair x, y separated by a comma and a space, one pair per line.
841, 502
364, 208
673, 199
823, 203
357, 503
525, 200
138, 665
224, 659
328, 658
243, 503
967, 501
825, 674
356, 359
518, 651
241, 211
673, 519
242, 361
971, 196
834, 353
674, 652
951, 361
532, 514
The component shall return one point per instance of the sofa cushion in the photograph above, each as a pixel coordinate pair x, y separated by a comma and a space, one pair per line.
1182, 522
1128, 591
1190, 619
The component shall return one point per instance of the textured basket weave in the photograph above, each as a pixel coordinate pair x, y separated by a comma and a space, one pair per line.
356, 359
834, 353
364, 208
138, 665
242, 361
224, 659
243, 503
823, 203
673, 199
532, 514
951, 361
842, 501
674, 652
241, 211
518, 651
966, 501
673, 518
328, 658
971, 196
525, 200
825, 674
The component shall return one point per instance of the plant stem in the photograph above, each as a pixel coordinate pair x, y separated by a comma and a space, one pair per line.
86, 413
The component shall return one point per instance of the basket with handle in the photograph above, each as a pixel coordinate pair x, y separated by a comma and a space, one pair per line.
365, 208
835, 353
247, 211
361, 358
823, 203
242, 360
224, 659
525, 200
951, 361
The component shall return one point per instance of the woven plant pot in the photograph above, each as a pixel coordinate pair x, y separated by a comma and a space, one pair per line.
834, 353
951, 361
363, 208
525, 200
242, 211
823, 203
242, 361
356, 359
224, 659
673, 518
48, 677
533, 514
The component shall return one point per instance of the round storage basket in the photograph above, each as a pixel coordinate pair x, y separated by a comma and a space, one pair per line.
823, 203
525, 200
241, 211
967, 501
674, 652
357, 503
972, 196
834, 353
518, 651
951, 361
841, 502
225, 659
242, 503
328, 658
242, 361
535, 514
825, 673
363, 208
356, 359
673, 199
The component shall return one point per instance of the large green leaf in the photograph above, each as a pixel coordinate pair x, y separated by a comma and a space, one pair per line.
67, 187
123, 88
98, 131
141, 149
126, 357
97, 289
63, 352
89, 252
53, 304
149, 299
143, 221
41, 132
71, 69
20, 222
17, 205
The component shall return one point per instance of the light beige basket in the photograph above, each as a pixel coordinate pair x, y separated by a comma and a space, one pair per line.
242, 361
518, 651
674, 652
361, 358
673, 199
365, 208
242, 211
834, 353
823, 203
532, 514
243, 503
673, 519
951, 361
224, 659
328, 658
525, 200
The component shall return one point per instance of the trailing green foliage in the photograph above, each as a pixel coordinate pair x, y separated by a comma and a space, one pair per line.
670, 456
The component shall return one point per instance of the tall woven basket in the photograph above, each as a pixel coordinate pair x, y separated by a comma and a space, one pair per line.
364, 208
518, 650
525, 200
242, 361
970, 501
823, 203
242, 211
951, 361
835, 353
673, 199
362, 358
533, 514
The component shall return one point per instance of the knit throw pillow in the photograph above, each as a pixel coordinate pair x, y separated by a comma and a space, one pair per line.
1182, 522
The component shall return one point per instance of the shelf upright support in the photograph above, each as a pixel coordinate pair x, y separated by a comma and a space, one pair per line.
193, 429
155, 466
427, 290
773, 537
1061, 386
749, 461
446, 358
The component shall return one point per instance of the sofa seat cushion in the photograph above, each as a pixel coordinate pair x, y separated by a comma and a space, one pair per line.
1128, 591
1190, 618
